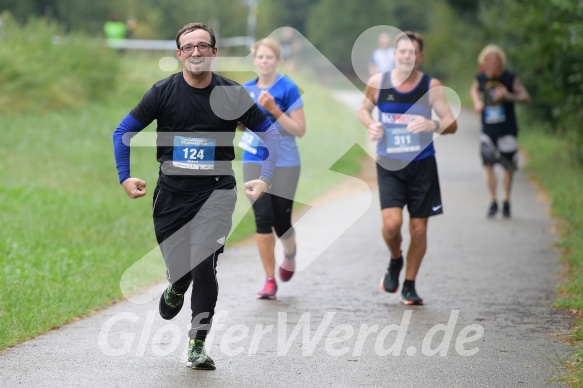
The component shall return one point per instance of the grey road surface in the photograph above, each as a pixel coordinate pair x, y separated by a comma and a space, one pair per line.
487, 322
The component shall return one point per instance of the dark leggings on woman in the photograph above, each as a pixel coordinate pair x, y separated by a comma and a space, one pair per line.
274, 208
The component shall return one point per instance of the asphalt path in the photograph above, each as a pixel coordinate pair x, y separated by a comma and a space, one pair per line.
488, 285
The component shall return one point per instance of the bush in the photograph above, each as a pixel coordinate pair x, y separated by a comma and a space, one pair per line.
545, 43
39, 73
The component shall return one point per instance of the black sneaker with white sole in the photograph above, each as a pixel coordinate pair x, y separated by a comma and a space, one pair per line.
390, 281
409, 295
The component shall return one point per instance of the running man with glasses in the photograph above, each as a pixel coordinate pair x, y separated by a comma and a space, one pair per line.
197, 112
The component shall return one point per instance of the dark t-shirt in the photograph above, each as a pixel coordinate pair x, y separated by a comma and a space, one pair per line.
498, 117
196, 128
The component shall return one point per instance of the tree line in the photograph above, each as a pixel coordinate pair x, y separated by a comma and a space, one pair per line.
543, 39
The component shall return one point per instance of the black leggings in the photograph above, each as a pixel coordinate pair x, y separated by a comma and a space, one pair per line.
191, 229
205, 290
274, 208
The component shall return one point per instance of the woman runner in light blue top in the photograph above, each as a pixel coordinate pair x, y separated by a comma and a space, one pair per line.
280, 99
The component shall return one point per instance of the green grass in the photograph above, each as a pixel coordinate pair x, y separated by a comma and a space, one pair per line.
547, 155
70, 233
67, 230
69, 75
553, 165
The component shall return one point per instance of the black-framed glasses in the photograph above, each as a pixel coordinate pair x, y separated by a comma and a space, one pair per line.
202, 48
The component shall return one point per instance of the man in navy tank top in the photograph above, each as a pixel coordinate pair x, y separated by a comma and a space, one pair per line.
406, 167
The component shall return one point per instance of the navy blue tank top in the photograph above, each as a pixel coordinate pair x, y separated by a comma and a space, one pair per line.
396, 109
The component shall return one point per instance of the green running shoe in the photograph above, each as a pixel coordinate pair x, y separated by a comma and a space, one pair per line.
197, 357
170, 303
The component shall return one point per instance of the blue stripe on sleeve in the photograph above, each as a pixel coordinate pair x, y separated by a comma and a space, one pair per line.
122, 135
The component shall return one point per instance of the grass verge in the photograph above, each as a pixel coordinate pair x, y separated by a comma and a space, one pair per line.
561, 176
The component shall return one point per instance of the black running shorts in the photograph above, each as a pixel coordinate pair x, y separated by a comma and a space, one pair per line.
184, 221
415, 186
492, 151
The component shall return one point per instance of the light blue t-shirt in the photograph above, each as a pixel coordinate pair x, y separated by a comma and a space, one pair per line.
287, 97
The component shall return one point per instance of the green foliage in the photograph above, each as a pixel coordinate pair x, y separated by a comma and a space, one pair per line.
406, 15
334, 32
575, 366
154, 19
451, 60
227, 17
37, 74
544, 42
467, 9
333, 26
542, 148
275, 14
560, 176
73, 15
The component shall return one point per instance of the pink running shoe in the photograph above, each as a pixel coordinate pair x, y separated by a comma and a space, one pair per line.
269, 289
288, 267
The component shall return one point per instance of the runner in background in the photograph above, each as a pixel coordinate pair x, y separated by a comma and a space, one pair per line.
494, 93
406, 166
115, 31
289, 45
280, 99
383, 58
